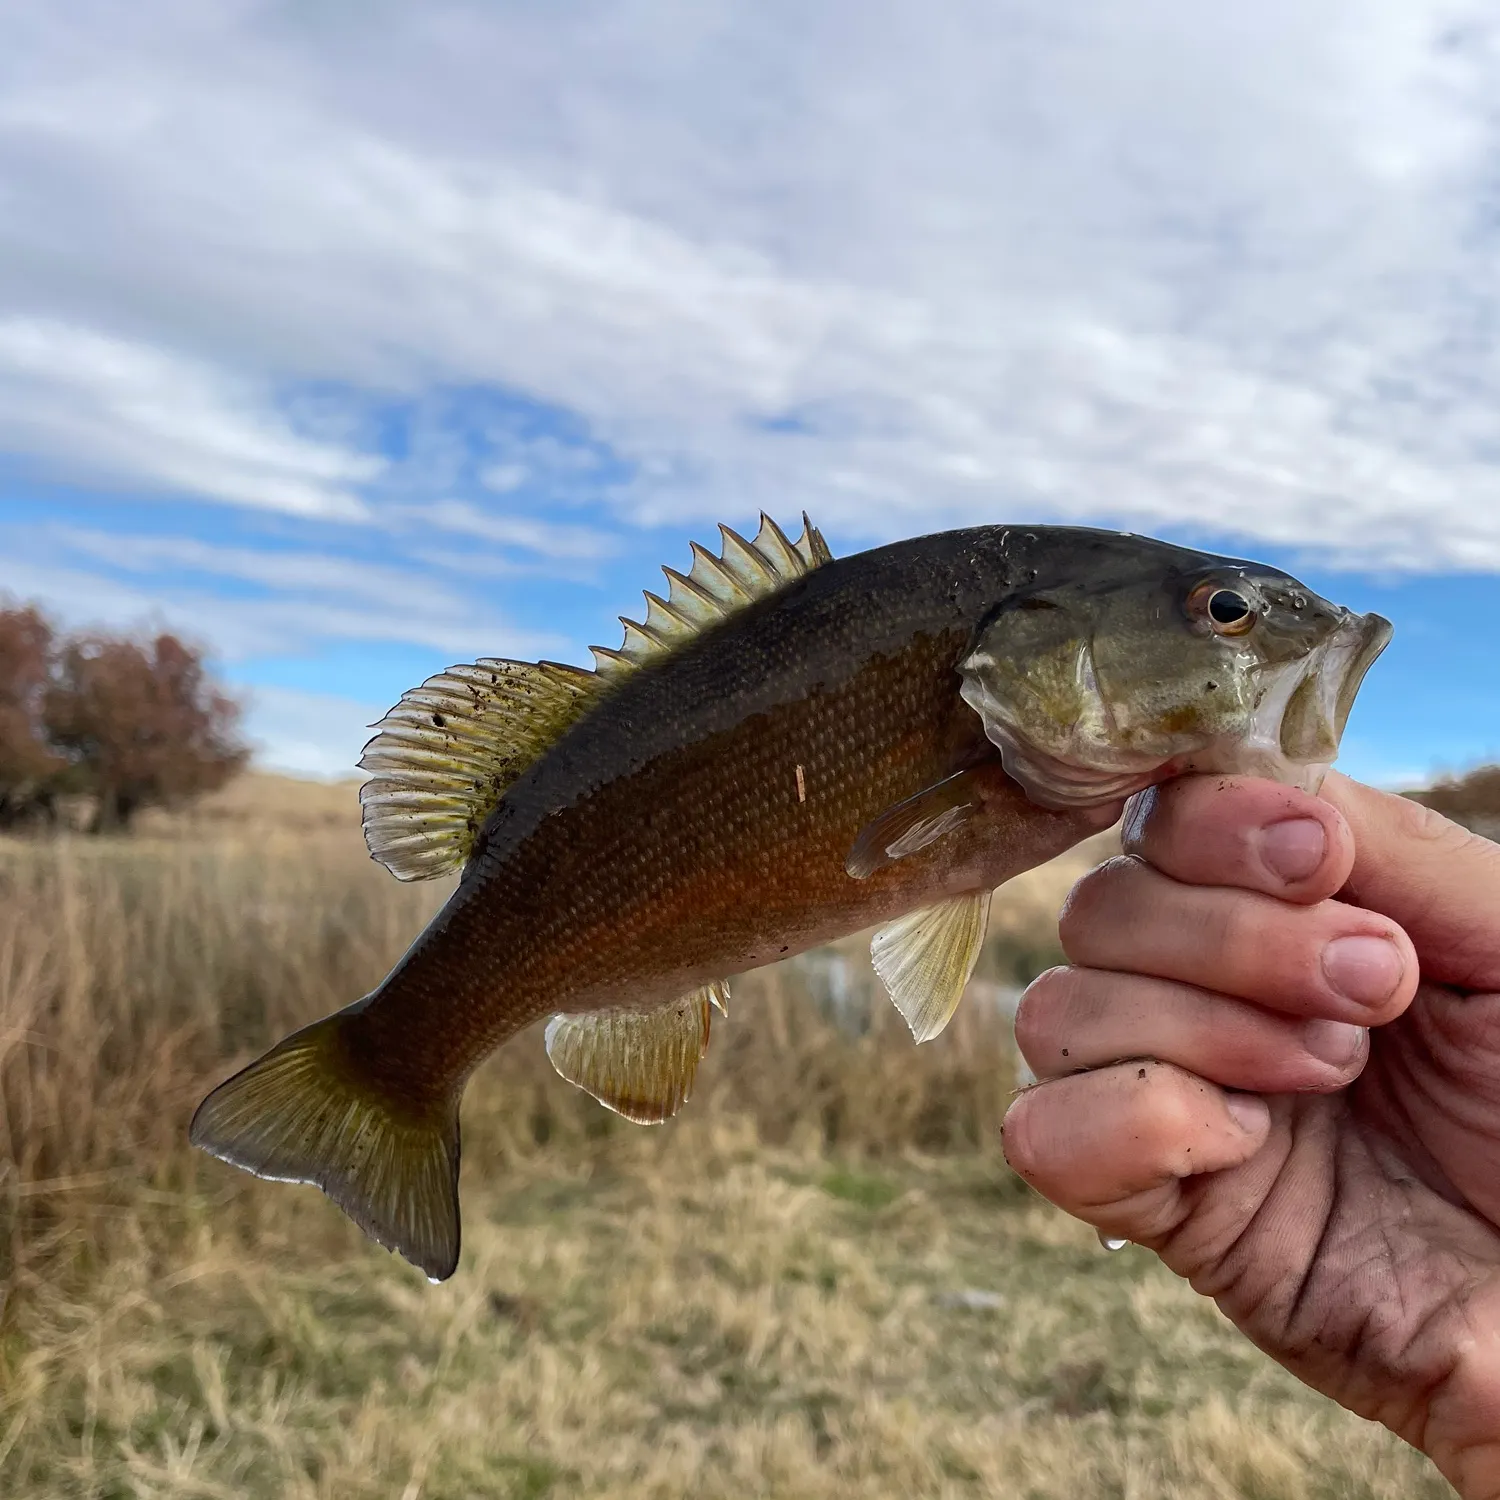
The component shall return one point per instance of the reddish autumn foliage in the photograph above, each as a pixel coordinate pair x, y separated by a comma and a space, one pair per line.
143, 721
28, 765
131, 723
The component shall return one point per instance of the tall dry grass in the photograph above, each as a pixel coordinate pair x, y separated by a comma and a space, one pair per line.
821, 1280
129, 973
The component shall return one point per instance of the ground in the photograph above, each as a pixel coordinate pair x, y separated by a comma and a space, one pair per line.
821, 1280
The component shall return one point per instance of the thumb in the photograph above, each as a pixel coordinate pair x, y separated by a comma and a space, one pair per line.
1434, 877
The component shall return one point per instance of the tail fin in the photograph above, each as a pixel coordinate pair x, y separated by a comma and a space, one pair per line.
303, 1113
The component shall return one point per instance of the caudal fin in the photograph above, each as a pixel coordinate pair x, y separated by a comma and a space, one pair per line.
303, 1113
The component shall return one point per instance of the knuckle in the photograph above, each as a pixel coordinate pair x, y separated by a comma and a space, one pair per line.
1236, 933
1019, 1140
1422, 824
1092, 896
1042, 1006
1031, 1024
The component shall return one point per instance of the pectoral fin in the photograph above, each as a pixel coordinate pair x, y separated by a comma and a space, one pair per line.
926, 957
638, 1063
914, 824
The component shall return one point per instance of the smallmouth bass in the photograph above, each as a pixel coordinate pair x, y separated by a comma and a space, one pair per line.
788, 748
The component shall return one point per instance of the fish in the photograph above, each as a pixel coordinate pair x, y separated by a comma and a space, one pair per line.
788, 748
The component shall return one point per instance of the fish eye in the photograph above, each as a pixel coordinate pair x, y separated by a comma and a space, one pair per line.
1225, 611
1225, 607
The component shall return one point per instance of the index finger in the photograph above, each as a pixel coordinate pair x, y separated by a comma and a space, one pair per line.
1238, 831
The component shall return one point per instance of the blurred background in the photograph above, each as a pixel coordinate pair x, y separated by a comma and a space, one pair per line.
339, 343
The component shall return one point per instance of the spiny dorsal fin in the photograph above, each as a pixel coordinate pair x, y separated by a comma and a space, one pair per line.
926, 957
639, 1063
713, 589
448, 750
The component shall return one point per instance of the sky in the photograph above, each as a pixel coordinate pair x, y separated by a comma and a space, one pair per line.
357, 339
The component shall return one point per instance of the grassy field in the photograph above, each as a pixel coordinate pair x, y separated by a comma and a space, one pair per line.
820, 1281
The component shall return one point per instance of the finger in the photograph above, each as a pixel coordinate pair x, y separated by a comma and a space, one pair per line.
1438, 880
1331, 960
1112, 1147
1072, 1019
1258, 835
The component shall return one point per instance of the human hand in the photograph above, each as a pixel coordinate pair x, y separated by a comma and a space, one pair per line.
1342, 1204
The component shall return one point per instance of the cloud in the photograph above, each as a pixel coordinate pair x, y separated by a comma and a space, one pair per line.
566, 543
1158, 264
282, 570
95, 407
300, 601
503, 478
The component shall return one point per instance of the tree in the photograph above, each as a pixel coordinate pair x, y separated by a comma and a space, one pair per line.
140, 723
29, 766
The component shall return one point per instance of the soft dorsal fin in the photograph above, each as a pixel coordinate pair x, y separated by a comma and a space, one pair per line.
713, 589
446, 753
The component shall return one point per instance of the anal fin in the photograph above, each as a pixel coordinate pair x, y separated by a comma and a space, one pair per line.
639, 1063
925, 959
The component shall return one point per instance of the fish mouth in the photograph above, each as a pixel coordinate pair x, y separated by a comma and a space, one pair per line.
1375, 633
1301, 717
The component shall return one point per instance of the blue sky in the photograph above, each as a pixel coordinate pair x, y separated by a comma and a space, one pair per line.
358, 340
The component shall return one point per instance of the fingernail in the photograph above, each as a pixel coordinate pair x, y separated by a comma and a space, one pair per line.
1294, 848
1335, 1042
1363, 969
1249, 1111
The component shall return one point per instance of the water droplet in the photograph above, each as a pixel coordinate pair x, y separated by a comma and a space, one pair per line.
1110, 1242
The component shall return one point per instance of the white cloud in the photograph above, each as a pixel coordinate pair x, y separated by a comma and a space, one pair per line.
1156, 262
284, 570
96, 407
572, 543
305, 600
503, 478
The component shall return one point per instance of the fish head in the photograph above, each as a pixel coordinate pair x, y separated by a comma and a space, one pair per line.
1154, 661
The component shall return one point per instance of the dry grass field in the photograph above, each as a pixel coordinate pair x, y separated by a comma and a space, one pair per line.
820, 1281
